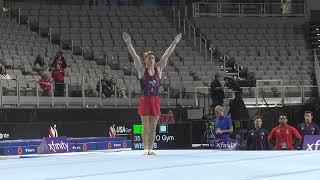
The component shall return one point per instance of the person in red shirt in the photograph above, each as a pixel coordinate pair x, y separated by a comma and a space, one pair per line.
282, 137
59, 59
58, 77
45, 83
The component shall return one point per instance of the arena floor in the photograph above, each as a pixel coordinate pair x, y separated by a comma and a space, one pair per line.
167, 165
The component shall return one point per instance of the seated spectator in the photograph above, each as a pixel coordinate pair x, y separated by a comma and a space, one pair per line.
258, 136
3, 73
223, 126
283, 136
45, 83
58, 77
108, 87
39, 64
59, 59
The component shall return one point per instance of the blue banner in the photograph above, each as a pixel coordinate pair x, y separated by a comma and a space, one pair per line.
19, 150
71, 145
54, 145
311, 142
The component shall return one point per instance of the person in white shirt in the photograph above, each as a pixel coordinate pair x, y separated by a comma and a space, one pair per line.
3, 73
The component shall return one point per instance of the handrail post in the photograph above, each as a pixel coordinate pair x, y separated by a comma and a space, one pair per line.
193, 10
224, 63
9, 11
72, 48
184, 26
302, 94
211, 52
185, 12
52, 95
206, 48
189, 31
168, 96
200, 41
50, 35
100, 92
19, 18
37, 94
1, 91
282, 93
115, 96
174, 13
179, 19
180, 96
257, 92
18, 93
195, 98
83, 93
194, 37
39, 30
129, 97
67, 94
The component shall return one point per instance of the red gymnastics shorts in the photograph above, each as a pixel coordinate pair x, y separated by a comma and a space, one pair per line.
149, 106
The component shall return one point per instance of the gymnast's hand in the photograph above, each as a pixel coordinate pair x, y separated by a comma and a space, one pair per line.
177, 38
126, 37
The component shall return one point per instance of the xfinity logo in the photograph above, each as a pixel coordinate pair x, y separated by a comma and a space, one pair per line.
223, 145
314, 146
57, 146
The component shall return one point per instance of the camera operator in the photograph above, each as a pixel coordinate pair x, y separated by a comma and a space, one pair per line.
238, 110
216, 91
222, 124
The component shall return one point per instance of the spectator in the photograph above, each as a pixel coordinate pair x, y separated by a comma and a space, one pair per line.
222, 124
258, 136
3, 73
45, 83
39, 64
282, 136
58, 77
216, 91
59, 59
308, 127
107, 86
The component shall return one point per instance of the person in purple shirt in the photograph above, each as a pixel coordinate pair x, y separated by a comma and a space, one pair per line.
308, 127
257, 138
222, 124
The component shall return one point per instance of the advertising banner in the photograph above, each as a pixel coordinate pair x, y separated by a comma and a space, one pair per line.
54, 145
311, 142
18, 150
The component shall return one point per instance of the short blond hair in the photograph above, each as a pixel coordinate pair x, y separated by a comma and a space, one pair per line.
146, 54
218, 108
